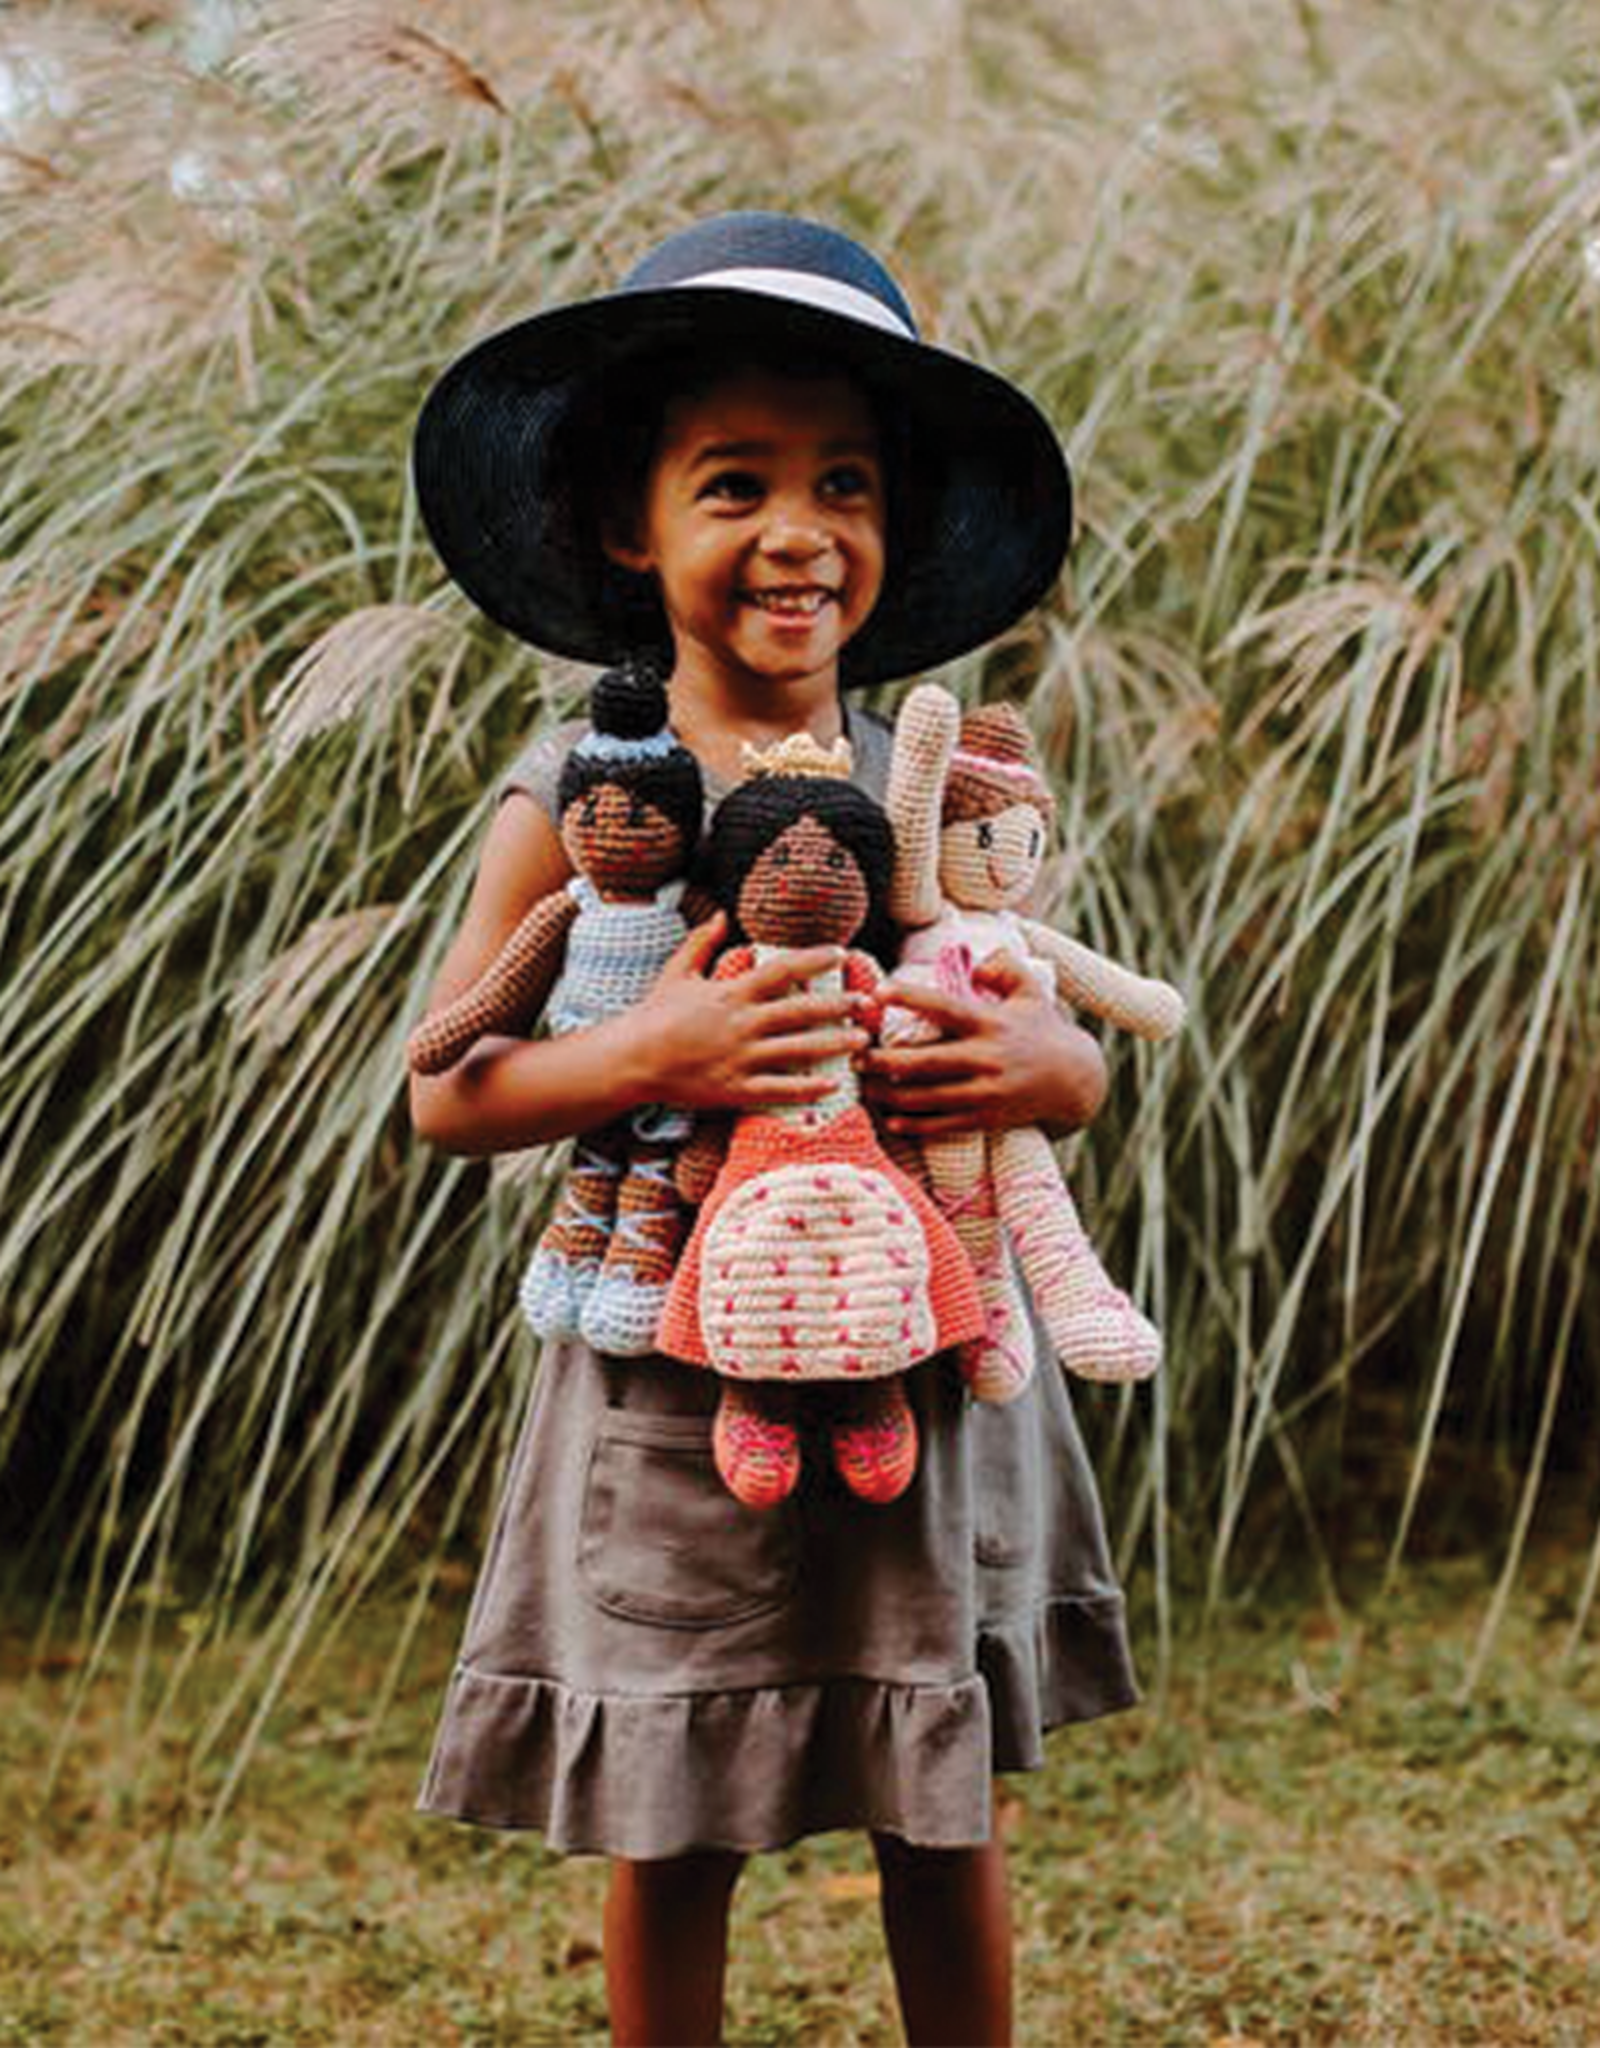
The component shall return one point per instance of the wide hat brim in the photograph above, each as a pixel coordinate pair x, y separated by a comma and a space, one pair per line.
982, 543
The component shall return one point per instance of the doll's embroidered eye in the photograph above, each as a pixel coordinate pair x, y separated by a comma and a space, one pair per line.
836, 859
590, 810
985, 835
1034, 840
638, 814
780, 856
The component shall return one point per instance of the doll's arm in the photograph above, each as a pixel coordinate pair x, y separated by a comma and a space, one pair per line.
1089, 981
735, 961
511, 989
925, 737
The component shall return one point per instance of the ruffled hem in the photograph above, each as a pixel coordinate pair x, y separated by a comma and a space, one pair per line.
1068, 1662
650, 1775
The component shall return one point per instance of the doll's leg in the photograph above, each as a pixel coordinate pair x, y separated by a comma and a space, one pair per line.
566, 1263
621, 1314
755, 1442
996, 1366
874, 1440
1095, 1329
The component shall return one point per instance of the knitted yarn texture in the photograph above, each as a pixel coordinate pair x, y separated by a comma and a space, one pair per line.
971, 812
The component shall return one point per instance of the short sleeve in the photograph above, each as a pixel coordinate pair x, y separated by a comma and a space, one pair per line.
536, 771
871, 744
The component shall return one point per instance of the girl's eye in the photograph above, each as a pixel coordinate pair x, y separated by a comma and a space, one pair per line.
732, 486
847, 480
986, 836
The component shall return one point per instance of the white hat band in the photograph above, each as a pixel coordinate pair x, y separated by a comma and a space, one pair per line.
811, 290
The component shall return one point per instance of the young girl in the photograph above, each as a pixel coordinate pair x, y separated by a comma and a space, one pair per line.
746, 462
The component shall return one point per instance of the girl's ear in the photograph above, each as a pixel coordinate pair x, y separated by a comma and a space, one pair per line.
624, 544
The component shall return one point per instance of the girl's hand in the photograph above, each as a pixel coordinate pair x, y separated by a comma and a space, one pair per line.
1005, 1058
749, 1042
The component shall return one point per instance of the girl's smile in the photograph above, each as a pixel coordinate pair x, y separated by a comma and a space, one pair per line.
763, 524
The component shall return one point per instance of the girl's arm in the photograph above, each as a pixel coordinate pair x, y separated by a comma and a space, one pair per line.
692, 1043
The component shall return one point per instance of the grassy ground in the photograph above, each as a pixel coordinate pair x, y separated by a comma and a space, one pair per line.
1309, 1841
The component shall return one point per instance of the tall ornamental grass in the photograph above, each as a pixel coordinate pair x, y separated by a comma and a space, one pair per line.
1312, 293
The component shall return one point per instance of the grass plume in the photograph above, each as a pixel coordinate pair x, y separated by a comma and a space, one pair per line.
1310, 293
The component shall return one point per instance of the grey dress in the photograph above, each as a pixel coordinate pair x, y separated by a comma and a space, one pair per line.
649, 1667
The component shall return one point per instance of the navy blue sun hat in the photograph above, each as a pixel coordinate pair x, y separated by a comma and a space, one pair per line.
500, 458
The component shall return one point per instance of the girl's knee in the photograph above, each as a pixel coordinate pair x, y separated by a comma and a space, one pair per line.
700, 1875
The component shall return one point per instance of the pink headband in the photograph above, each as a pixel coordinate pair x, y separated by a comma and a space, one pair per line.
986, 764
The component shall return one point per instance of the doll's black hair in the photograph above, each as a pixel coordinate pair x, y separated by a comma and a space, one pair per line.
630, 705
755, 814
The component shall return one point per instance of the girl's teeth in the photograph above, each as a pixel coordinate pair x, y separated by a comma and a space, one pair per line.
804, 601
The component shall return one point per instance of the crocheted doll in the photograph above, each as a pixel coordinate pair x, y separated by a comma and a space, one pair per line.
814, 1257
971, 812
631, 803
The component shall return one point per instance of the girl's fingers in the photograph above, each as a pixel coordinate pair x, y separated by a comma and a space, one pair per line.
958, 1014
780, 1014
805, 1048
694, 955
1003, 974
950, 1095
907, 1066
953, 1126
762, 1091
776, 977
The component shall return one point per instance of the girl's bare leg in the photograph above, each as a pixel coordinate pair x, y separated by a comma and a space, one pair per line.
666, 1948
947, 1916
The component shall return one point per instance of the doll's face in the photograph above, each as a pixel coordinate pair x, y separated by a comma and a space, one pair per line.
805, 890
624, 845
991, 863
762, 523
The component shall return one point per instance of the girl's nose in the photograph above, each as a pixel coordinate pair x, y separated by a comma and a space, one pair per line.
791, 538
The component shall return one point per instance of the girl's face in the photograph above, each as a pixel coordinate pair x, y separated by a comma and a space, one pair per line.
763, 523
991, 863
805, 890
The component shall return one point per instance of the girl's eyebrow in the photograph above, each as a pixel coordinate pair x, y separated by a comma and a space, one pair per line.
751, 451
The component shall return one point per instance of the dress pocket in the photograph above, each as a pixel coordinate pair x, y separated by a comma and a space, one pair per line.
662, 1540
1006, 1478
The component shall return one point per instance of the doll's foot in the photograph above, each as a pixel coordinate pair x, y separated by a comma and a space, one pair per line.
756, 1447
566, 1262
1112, 1342
621, 1315
875, 1447
1098, 1334
554, 1291
1093, 1327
